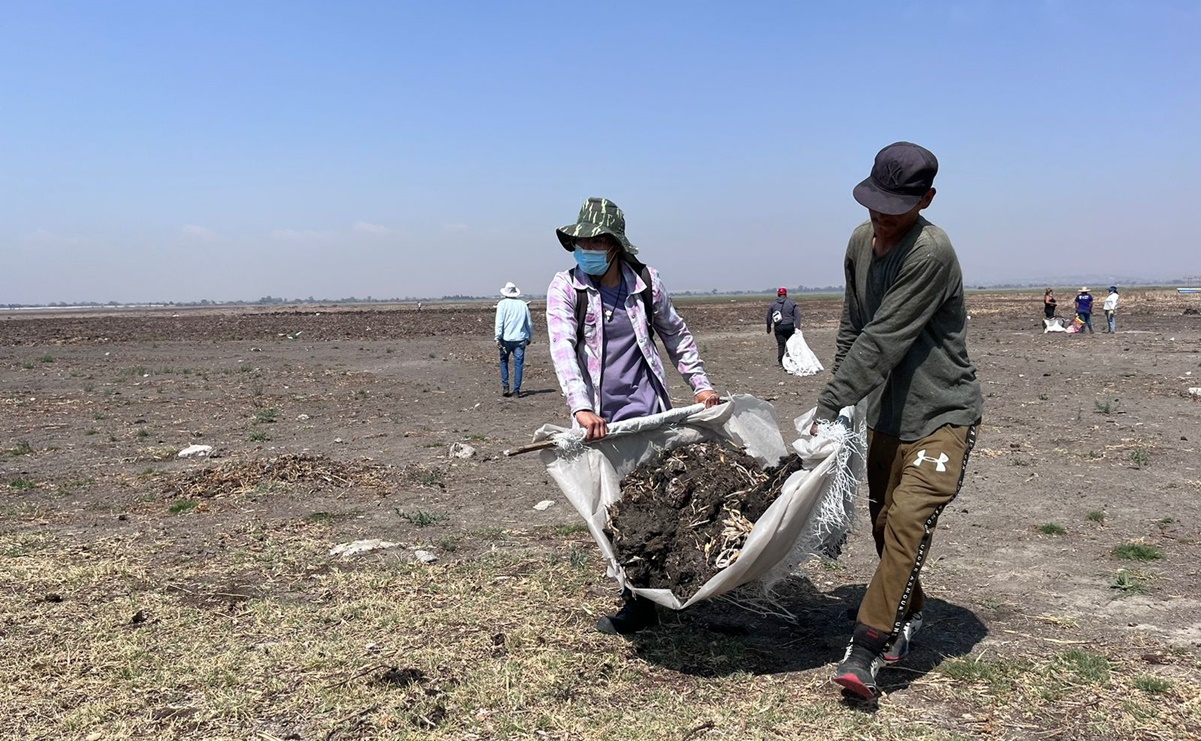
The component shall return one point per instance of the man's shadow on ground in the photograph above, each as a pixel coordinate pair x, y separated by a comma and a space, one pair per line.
717, 638
537, 392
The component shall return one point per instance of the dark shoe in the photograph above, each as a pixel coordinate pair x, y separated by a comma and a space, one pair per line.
517, 391
900, 646
504, 391
857, 672
637, 613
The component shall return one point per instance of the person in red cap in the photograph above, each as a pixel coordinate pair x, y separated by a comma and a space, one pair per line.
783, 317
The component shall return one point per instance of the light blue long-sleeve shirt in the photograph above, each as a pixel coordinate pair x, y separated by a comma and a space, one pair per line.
513, 322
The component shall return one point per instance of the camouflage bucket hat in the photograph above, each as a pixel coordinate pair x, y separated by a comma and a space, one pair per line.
597, 216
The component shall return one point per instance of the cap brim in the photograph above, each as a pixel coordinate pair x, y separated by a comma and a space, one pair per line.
894, 204
568, 234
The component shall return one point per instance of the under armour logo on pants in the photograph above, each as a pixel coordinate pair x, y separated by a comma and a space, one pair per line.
940, 463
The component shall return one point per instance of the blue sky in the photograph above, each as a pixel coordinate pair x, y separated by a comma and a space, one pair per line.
180, 151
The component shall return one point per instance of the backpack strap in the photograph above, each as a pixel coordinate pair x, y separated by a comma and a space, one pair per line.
581, 311
646, 294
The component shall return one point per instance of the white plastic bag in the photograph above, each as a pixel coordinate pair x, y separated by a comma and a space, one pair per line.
798, 359
590, 477
1054, 324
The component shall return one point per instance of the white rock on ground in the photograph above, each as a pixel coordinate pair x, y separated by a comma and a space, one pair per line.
544, 505
425, 556
302, 417
195, 451
461, 450
358, 547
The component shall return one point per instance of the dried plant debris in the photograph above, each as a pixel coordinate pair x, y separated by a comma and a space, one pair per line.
685, 515
312, 472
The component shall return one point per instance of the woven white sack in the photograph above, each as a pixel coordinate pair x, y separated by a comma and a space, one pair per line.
590, 476
798, 359
1055, 324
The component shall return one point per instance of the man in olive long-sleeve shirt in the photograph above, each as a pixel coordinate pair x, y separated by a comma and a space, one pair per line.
902, 346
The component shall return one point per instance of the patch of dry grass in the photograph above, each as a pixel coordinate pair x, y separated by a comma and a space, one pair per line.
155, 454
262, 474
272, 638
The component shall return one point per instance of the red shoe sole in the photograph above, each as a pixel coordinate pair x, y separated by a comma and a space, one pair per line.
852, 683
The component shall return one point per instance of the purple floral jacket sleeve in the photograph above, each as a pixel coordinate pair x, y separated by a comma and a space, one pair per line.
579, 369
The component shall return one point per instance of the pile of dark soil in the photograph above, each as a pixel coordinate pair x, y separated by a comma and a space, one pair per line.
685, 515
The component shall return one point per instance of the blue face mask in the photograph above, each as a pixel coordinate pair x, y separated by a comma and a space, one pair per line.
592, 262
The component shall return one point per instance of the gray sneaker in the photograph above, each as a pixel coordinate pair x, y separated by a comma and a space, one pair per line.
900, 647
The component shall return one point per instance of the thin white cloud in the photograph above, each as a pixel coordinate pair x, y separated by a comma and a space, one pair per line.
45, 236
363, 227
455, 227
198, 232
301, 235
358, 229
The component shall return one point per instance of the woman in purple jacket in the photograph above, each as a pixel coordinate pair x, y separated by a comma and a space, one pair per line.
607, 362
610, 368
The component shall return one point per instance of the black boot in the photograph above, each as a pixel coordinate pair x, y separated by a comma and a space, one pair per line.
637, 613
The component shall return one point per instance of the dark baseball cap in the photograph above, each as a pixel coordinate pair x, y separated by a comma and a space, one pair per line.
902, 175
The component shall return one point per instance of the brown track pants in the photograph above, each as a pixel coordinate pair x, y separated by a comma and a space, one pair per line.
909, 484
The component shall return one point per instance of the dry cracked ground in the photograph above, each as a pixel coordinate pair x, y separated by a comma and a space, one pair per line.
145, 596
